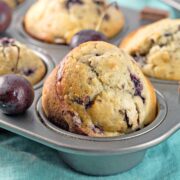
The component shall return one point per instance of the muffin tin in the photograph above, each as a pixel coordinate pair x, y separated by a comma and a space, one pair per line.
94, 156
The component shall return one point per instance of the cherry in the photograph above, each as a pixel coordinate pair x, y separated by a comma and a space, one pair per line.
86, 35
16, 94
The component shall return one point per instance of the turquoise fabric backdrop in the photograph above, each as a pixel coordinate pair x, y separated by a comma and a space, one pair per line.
139, 4
22, 159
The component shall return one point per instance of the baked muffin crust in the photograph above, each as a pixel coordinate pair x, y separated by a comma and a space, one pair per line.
98, 90
58, 20
16, 58
156, 48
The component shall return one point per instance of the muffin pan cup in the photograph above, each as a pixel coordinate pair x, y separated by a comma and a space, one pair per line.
23, 35
98, 156
47, 60
94, 156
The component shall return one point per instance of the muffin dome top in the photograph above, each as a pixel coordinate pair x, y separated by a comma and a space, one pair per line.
156, 48
101, 92
58, 20
16, 58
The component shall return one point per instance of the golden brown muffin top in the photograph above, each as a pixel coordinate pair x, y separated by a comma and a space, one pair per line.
104, 90
17, 58
58, 20
156, 48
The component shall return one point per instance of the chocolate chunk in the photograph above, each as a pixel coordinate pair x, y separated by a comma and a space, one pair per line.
162, 45
138, 120
152, 41
126, 119
121, 112
153, 14
99, 2
90, 78
89, 104
28, 71
69, 3
78, 100
93, 70
85, 101
81, 101
97, 54
167, 34
89, 81
138, 129
138, 86
107, 17
143, 99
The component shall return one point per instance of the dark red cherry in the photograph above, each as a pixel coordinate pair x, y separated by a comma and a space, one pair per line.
16, 94
5, 16
86, 35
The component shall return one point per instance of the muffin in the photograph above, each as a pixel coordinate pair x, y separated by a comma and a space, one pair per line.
16, 58
156, 49
58, 20
98, 90
13, 3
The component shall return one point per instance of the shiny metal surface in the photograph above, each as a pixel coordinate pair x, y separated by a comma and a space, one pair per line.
48, 61
103, 165
89, 140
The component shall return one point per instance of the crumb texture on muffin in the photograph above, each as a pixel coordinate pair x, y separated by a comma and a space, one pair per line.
156, 48
58, 20
16, 58
98, 90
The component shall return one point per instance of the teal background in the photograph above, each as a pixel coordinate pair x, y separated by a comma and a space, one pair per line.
22, 159
139, 4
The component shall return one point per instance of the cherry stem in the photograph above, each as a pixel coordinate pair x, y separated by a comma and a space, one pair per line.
17, 60
104, 13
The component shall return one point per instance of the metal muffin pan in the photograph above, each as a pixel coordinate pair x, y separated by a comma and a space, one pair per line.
94, 156
21, 32
162, 111
48, 62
